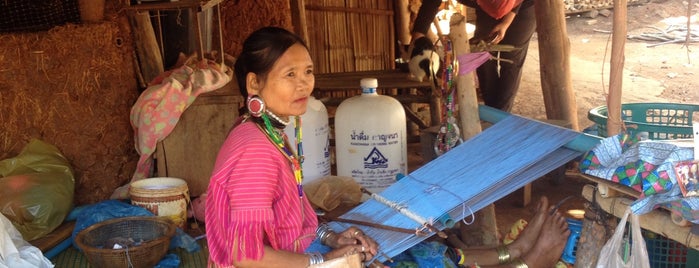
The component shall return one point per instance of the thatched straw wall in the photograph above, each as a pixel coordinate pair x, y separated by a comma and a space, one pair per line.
73, 86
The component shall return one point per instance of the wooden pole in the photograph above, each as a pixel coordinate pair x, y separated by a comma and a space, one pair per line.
465, 84
147, 49
298, 19
554, 53
616, 70
484, 231
402, 22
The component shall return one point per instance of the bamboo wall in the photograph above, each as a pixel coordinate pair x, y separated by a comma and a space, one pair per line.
351, 35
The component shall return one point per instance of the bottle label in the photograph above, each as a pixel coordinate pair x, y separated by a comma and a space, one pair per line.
381, 158
369, 90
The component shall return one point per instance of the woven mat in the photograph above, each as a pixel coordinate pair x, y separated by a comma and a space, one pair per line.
73, 258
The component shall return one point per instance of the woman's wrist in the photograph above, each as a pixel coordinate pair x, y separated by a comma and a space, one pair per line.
325, 234
315, 258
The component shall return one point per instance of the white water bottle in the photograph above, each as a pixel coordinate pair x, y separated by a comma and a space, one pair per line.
370, 138
315, 130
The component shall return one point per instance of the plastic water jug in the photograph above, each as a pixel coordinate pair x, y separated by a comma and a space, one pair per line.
315, 130
370, 138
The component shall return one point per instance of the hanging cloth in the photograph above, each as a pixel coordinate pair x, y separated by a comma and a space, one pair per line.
158, 109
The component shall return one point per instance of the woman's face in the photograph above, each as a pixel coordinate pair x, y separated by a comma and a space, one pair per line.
286, 88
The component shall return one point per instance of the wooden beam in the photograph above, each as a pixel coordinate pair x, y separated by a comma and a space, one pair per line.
554, 53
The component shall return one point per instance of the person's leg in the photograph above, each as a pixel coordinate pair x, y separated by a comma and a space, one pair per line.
549, 246
499, 87
517, 249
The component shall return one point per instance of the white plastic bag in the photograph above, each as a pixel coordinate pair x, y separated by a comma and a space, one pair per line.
17, 253
611, 254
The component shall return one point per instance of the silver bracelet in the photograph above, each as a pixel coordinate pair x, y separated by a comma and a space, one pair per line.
316, 258
324, 232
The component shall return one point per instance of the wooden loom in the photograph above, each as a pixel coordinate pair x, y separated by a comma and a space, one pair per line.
505, 157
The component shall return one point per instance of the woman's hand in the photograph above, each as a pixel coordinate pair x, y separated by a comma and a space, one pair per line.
352, 241
498, 32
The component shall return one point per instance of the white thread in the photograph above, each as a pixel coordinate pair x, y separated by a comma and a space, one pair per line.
400, 208
463, 212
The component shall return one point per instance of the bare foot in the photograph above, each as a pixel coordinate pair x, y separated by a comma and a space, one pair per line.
528, 236
550, 243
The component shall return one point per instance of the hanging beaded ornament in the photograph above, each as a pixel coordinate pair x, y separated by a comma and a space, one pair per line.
448, 136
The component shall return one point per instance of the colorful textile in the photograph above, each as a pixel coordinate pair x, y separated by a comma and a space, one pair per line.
253, 201
158, 109
471, 61
424, 254
646, 166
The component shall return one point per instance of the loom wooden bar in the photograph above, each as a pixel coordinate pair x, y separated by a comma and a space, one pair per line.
657, 221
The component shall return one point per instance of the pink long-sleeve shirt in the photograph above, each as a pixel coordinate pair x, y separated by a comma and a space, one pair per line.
253, 201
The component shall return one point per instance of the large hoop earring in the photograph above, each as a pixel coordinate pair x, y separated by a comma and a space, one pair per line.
256, 106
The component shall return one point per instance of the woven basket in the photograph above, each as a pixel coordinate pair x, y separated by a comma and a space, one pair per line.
154, 232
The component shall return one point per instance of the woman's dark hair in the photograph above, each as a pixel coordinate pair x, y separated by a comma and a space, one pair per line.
260, 51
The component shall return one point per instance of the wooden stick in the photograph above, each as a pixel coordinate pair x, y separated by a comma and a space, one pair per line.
380, 226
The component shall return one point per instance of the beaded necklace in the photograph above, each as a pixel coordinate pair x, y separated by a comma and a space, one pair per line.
280, 139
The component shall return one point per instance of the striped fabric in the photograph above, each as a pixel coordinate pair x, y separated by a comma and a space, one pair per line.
253, 201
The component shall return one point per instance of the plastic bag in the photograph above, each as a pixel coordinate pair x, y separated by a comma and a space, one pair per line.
330, 192
36, 189
613, 252
17, 253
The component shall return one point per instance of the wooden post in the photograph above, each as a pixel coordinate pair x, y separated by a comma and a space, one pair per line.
465, 84
554, 53
149, 58
298, 19
593, 236
616, 70
484, 230
403, 22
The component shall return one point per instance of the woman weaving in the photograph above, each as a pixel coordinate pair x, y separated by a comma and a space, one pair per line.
256, 212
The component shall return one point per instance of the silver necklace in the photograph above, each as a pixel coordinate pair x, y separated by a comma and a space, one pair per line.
271, 114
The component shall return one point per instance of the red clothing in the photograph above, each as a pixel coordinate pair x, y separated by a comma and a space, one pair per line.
253, 201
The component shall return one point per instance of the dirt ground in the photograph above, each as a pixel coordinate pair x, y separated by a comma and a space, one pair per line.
653, 72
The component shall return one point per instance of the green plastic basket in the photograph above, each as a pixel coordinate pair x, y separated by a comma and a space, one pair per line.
662, 121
